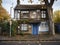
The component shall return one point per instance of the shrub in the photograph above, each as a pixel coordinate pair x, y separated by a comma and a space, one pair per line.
5, 27
14, 27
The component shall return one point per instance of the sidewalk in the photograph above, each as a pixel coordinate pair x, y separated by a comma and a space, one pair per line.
31, 38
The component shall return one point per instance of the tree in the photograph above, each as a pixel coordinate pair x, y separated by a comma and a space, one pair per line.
56, 16
3, 14
4, 17
14, 27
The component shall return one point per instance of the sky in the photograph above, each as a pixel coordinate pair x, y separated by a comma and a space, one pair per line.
7, 4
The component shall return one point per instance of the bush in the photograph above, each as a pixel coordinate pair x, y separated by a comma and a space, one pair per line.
14, 28
5, 27
21, 33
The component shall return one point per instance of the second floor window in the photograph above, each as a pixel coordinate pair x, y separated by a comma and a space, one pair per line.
24, 11
43, 14
33, 14
24, 14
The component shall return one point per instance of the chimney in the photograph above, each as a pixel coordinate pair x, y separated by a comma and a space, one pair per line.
18, 2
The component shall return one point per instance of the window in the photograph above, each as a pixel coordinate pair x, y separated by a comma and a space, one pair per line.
44, 24
25, 14
24, 11
43, 14
17, 14
33, 14
24, 27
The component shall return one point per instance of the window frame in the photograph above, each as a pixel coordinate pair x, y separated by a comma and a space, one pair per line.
24, 12
33, 16
23, 27
43, 14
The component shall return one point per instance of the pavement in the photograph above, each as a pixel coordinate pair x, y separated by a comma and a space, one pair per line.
28, 43
31, 38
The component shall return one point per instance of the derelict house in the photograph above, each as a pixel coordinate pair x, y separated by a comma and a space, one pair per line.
35, 19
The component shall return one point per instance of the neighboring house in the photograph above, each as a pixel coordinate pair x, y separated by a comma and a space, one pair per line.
36, 19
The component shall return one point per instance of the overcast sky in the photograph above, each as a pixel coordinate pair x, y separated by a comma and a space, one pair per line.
8, 3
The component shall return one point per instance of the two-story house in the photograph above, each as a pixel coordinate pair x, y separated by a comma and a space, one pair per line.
35, 19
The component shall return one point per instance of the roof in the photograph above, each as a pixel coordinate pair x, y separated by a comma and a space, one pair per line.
25, 7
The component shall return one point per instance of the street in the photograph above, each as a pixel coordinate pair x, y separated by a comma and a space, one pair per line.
29, 43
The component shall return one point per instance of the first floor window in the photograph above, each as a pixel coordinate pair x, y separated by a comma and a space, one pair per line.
24, 27
44, 24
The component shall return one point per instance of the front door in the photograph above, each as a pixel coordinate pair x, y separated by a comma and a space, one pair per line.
34, 29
